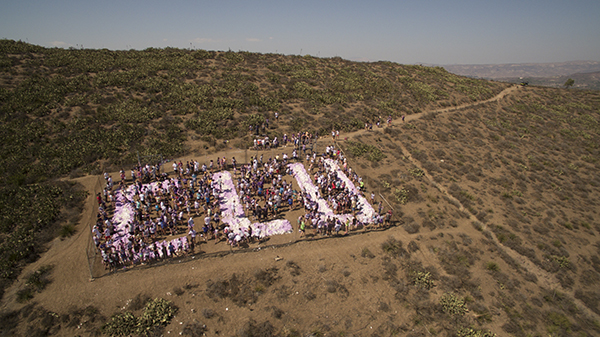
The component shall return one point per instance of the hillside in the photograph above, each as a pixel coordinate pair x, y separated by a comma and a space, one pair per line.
73, 112
102, 102
494, 191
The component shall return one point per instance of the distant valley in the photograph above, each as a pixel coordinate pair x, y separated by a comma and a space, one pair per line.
585, 73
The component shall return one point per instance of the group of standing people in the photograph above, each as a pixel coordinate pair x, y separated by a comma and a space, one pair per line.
162, 211
298, 140
155, 208
340, 198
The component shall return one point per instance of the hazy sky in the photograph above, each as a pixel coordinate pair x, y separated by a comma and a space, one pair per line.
422, 31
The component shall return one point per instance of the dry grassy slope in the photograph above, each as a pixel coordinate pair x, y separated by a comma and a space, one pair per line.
177, 91
523, 172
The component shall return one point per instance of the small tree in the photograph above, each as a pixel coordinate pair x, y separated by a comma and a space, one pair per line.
569, 83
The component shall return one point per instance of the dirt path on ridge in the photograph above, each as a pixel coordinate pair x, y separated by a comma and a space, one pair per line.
408, 118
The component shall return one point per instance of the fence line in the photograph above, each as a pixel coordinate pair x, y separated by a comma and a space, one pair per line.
91, 250
240, 250
384, 199
366, 179
95, 261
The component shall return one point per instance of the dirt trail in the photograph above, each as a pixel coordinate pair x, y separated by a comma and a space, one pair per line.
499, 96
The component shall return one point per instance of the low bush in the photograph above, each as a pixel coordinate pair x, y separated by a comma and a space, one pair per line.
252, 328
293, 267
157, 314
471, 332
267, 276
413, 246
367, 253
411, 228
67, 230
492, 266
453, 305
208, 313
34, 282
241, 291
194, 329
393, 247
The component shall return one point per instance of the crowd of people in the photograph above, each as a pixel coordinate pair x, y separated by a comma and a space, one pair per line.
299, 140
345, 208
150, 208
152, 215
134, 220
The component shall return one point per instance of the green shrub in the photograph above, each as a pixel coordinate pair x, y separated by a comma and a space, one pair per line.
122, 324
157, 312
492, 266
470, 332
417, 172
372, 152
453, 305
558, 322
401, 195
562, 261
67, 230
422, 279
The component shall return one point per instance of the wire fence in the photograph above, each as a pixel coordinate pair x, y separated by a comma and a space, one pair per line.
366, 181
94, 258
96, 265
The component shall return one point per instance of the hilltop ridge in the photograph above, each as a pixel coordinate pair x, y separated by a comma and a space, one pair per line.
184, 94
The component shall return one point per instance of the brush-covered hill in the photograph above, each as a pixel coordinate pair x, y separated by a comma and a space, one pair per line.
494, 188
76, 108
80, 111
523, 172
